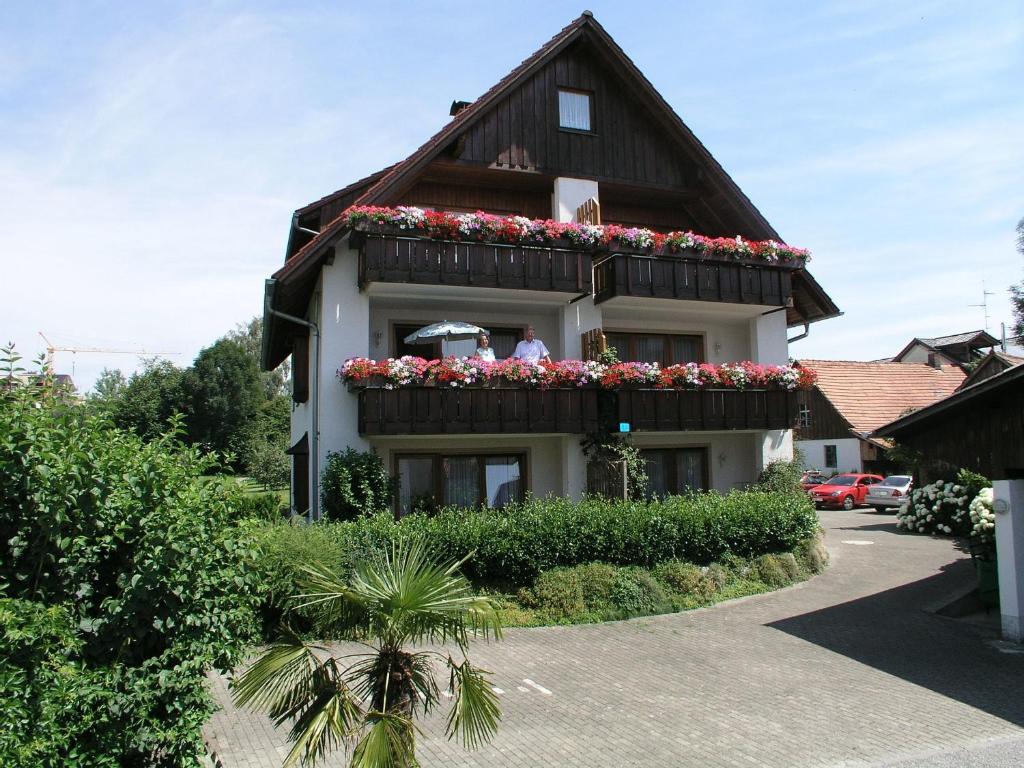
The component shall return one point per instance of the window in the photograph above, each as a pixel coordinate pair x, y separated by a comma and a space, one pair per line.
503, 342
804, 416
427, 482
401, 349
574, 110
831, 460
664, 349
675, 470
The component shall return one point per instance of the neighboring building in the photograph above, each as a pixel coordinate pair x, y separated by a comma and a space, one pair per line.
574, 132
981, 428
994, 363
853, 399
962, 349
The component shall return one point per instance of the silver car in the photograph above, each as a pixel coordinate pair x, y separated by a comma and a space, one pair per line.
890, 493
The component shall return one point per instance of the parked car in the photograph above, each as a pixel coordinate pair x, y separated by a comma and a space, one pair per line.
811, 479
889, 493
846, 491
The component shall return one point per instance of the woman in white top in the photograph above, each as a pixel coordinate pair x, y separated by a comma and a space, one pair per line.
484, 351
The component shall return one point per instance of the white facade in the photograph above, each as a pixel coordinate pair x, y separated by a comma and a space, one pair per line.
848, 458
361, 323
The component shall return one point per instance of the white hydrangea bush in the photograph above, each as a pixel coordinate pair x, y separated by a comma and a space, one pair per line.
983, 518
943, 507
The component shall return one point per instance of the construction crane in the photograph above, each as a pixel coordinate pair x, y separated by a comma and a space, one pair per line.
52, 348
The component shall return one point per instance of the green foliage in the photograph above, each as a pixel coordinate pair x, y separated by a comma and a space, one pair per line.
149, 399
686, 579
139, 553
401, 597
224, 396
770, 570
636, 592
1017, 291
783, 476
263, 442
267, 507
250, 336
355, 484
109, 386
512, 547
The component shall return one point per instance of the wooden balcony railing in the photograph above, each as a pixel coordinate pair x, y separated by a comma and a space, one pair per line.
664, 410
437, 411
679, 277
396, 259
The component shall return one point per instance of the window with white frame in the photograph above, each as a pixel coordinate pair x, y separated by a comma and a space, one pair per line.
574, 110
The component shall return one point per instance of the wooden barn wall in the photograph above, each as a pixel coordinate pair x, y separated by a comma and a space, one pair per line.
625, 144
985, 435
448, 197
826, 423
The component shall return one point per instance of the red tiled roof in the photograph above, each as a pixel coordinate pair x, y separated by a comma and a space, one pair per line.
869, 395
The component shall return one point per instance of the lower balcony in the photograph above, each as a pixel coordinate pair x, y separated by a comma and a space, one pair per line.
439, 411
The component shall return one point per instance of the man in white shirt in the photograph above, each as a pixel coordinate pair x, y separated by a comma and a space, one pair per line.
532, 349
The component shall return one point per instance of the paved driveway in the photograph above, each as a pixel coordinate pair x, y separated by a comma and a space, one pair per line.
848, 669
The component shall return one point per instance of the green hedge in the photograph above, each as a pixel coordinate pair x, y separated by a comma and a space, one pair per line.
511, 547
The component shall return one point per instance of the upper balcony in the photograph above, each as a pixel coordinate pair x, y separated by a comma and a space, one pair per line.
412, 246
686, 275
395, 257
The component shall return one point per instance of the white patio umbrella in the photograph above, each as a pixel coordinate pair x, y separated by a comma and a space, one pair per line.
450, 330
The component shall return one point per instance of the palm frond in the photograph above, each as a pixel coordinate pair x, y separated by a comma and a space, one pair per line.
282, 678
389, 742
337, 605
475, 709
330, 720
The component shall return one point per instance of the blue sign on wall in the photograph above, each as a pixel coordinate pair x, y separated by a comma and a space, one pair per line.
623, 426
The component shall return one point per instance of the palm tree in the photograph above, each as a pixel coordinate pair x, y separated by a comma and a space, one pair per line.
398, 599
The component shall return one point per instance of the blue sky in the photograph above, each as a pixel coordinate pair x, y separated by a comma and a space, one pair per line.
151, 154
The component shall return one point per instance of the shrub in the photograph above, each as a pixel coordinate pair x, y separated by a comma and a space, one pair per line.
597, 580
812, 555
769, 569
556, 592
782, 476
718, 575
355, 484
139, 551
636, 592
942, 507
686, 579
258, 506
514, 545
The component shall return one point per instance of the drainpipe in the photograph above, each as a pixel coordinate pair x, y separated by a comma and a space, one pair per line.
314, 433
804, 335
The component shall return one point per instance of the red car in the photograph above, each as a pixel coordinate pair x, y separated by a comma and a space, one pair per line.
846, 491
811, 479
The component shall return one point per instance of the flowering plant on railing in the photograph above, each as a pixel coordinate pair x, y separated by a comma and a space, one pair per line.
519, 230
468, 371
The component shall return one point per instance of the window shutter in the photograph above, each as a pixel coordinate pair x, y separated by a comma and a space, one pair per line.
300, 369
589, 212
592, 343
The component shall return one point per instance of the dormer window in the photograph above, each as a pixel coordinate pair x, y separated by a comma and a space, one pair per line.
574, 110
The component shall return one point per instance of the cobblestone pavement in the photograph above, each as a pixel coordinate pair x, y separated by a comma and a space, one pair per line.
848, 669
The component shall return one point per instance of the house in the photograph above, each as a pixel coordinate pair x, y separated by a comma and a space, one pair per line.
995, 362
981, 428
962, 349
852, 399
574, 133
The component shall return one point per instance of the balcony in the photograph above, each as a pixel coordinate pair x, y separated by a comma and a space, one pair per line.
661, 410
438, 411
392, 258
692, 278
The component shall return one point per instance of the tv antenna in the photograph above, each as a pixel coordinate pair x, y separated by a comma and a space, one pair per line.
984, 302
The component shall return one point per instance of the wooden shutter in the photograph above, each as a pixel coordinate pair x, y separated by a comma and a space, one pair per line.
593, 343
300, 369
589, 212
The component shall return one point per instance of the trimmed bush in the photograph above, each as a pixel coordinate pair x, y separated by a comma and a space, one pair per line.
686, 579
636, 592
355, 484
812, 555
769, 569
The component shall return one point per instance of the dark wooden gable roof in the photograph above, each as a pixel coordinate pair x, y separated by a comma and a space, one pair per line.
638, 140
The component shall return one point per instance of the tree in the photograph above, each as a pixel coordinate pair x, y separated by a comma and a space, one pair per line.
149, 399
400, 598
224, 395
264, 441
1017, 291
109, 385
250, 336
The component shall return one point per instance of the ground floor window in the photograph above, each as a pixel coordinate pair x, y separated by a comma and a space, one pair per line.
675, 470
427, 482
831, 457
